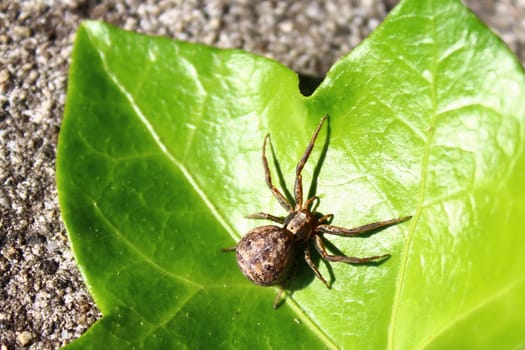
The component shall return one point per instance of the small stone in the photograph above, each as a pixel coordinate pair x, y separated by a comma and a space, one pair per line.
25, 338
4, 76
286, 26
21, 31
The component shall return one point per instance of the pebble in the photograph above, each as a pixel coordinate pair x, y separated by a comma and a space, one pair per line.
24, 338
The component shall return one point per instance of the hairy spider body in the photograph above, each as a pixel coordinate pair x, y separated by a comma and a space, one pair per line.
265, 254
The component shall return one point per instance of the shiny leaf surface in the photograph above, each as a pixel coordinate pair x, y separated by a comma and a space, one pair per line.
159, 160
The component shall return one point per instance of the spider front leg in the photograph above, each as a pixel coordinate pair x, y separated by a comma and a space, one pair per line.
309, 201
298, 188
342, 231
319, 245
268, 178
325, 218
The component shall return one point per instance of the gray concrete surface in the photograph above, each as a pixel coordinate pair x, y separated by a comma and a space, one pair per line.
43, 301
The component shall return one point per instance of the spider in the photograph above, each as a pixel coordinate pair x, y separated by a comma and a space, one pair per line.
265, 254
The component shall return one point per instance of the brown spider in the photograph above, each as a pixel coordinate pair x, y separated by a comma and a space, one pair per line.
265, 254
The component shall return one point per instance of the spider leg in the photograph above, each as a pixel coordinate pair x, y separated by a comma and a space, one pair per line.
319, 245
325, 218
268, 177
277, 300
282, 287
298, 188
342, 231
265, 216
309, 202
229, 249
313, 266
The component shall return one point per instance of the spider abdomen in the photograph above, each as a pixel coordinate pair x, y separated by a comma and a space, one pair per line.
265, 254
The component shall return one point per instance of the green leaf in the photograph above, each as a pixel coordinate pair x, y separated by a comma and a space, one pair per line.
159, 160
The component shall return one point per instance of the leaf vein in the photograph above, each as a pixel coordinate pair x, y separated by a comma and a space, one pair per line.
499, 294
164, 149
422, 188
136, 250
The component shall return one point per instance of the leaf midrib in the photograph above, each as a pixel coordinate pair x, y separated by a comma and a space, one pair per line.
421, 197
156, 138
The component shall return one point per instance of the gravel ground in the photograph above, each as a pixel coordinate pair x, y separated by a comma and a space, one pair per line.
43, 301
